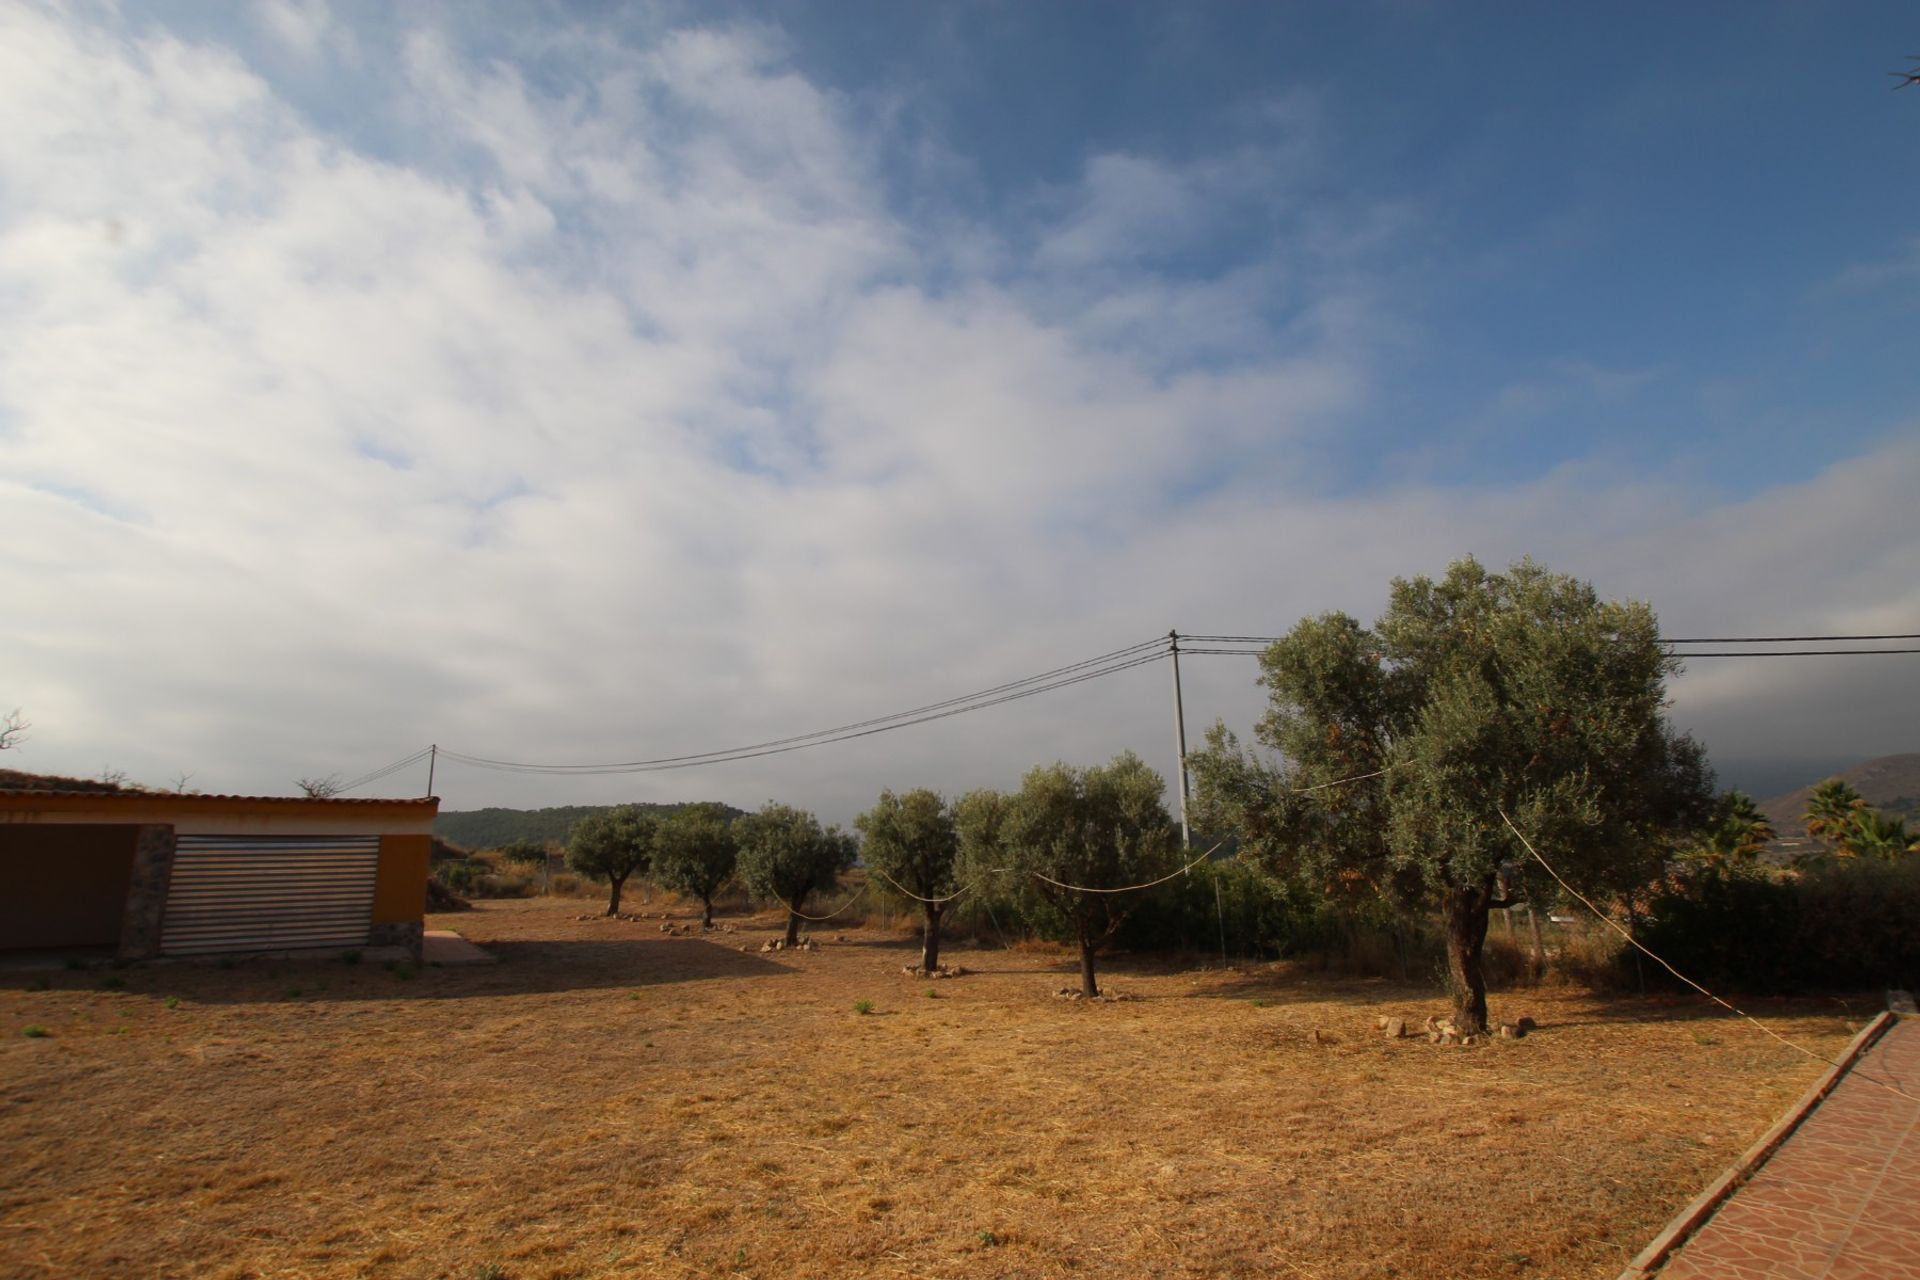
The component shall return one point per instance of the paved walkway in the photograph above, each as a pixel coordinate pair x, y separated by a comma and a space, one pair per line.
1840, 1199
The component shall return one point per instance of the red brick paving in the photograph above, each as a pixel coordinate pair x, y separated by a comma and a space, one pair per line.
1840, 1199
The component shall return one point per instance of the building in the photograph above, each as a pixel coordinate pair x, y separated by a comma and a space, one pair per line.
154, 875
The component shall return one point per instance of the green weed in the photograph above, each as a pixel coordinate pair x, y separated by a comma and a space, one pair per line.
34, 1032
863, 1007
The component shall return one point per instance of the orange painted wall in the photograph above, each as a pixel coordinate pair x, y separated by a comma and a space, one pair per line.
400, 886
65, 886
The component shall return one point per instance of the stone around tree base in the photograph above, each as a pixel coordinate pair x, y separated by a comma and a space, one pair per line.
944, 971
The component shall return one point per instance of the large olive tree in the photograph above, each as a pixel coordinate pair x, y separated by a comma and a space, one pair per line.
696, 852
1478, 695
611, 845
911, 839
786, 855
1079, 839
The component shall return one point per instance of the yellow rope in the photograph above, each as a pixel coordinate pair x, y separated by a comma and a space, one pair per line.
1613, 924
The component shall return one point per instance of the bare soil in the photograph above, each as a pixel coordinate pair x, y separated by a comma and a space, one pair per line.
609, 1100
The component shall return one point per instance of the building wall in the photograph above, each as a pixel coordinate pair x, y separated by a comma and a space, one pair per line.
64, 886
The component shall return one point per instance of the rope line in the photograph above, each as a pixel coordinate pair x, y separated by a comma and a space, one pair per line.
853, 898
906, 892
1615, 926
1079, 888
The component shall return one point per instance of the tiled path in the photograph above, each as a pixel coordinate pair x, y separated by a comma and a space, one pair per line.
1840, 1199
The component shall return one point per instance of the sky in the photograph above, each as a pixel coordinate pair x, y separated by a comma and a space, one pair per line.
578, 383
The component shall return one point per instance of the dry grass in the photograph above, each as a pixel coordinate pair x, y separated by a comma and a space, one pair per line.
610, 1101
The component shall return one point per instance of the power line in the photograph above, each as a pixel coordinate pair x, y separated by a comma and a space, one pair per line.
882, 724
1697, 653
383, 771
1664, 640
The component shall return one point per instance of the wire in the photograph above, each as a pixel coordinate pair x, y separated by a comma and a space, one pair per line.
1721, 653
1781, 639
852, 898
1080, 888
1613, 924
932, 902
382, 772
820, 738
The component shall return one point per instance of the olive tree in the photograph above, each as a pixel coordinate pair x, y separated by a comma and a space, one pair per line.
911, 839
1079, 838
1481, 695
611, 845
786, 856
696, 853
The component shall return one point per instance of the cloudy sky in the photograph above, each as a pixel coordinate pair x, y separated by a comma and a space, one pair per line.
593, 383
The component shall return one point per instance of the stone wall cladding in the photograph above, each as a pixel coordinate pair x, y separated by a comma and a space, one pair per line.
410, 934
147, 893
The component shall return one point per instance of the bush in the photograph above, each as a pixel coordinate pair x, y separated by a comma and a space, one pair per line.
1193, 911
1843, 925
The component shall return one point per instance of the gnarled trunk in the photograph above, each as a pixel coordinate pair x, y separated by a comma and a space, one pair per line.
706, 911
793, 927
1466, 912
930, 944
613, 900
1088, 987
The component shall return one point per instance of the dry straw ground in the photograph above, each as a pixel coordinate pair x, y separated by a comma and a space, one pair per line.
611, 1101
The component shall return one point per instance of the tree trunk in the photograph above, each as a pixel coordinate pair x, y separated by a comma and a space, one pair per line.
706, 913
930, 946
1466, 911
1088, 987
1539, 947
613, 901
793, 927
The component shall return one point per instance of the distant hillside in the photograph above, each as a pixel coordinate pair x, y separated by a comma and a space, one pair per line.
1888, 783
491, 828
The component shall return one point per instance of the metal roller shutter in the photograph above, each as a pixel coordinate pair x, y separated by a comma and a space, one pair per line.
269, 893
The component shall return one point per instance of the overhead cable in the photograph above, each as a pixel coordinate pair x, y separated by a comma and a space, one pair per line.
1123, 659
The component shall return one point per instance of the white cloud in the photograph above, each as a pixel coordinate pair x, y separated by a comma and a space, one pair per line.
622, 416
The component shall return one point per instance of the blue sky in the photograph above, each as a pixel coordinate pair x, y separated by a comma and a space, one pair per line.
653, 378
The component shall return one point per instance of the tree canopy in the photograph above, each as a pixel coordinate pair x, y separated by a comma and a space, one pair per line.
912, 840
611, 845
786, 856
696, 852
1074, 836
1480, 695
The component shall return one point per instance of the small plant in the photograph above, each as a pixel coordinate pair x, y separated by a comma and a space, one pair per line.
349, 957
33, 1032
863, 1007
173, 1002
490, 1271
647, 1044
740, 1257
401, 969
112, 983
1257, 1003
293, 993
988, 1240
932, 994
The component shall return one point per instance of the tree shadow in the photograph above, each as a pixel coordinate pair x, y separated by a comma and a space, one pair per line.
531, 967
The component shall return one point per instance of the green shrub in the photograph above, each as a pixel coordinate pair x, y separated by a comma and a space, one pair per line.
34, 1032
457, 876
863, 1007
1842, 925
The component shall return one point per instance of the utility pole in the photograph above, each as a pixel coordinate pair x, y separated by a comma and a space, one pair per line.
433, 758
1180, 739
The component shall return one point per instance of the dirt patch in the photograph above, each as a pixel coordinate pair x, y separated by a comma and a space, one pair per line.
611, 1100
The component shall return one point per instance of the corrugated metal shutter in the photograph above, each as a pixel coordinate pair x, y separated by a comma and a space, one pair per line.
269, 893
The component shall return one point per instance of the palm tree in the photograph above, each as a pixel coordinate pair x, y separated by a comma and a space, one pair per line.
1831, 812
1737, 832
1881, 835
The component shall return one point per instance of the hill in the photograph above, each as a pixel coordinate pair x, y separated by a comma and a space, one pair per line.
491, 828
1888, 783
